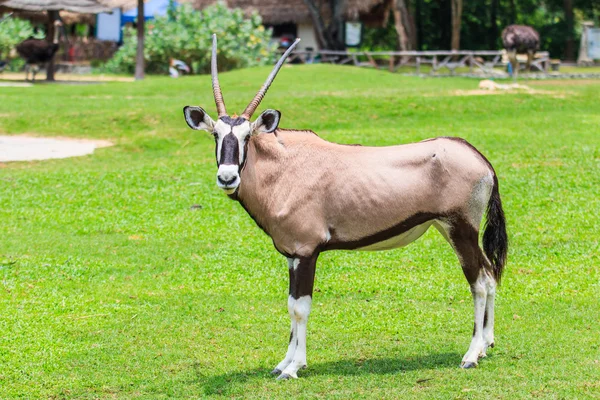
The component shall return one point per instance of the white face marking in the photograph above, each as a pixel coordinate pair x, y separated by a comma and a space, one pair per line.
228, 173
239, 131
228, 177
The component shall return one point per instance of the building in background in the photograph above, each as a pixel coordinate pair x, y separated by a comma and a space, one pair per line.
292, 17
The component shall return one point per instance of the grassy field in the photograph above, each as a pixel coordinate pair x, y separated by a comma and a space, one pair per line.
114, 286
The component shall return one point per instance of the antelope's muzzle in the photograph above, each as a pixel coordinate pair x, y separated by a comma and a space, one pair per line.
228, 177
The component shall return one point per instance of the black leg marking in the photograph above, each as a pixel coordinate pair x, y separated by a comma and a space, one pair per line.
302, 277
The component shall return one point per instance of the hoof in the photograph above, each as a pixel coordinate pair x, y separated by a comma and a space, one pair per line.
468, 364
276, 372
284, 377
491, 345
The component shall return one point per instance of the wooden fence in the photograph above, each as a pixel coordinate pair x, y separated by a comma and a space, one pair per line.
482, 61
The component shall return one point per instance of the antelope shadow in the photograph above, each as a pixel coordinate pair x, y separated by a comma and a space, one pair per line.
220, 384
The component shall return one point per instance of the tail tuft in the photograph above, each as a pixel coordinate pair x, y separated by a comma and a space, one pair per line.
495, 239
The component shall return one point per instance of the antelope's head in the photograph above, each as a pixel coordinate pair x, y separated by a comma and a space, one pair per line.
232, 133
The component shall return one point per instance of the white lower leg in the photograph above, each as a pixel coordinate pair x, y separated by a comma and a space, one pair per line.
488, 323
301, 311
477, 347
289, 356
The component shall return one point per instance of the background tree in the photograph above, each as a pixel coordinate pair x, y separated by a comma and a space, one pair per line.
570, 34
139, 59
457, 8
404, 26
330, 34
557, 21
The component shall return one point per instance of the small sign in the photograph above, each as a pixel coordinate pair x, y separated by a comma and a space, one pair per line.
594, 44
353, 34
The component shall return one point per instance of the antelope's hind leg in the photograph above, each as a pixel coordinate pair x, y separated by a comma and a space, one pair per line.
484, 292
302, 275
464, 238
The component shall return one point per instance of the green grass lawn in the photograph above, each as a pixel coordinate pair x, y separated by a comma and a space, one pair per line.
112, 286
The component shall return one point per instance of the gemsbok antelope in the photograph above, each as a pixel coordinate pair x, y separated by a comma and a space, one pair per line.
310, 195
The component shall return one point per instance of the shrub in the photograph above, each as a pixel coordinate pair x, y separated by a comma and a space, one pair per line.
186, 34
12, 32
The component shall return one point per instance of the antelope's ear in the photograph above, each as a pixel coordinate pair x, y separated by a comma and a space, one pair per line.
198, 119
267, 122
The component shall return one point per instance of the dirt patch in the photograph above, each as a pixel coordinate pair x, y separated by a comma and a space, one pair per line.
60, 77
15, 84
30, 148
485, 92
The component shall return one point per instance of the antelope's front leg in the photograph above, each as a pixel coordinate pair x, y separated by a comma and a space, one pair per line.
302, 275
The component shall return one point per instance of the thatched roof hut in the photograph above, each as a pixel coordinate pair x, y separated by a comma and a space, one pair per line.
78, 6
71, 11
295, 14
274, 12
41, 17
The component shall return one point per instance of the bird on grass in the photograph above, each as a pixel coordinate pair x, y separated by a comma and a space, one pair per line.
176, 67
520, 39
38, 52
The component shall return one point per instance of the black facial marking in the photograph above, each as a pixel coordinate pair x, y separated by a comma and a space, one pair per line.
230, 150
216, 147
233, 121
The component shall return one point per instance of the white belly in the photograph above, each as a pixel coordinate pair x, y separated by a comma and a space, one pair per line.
399, 241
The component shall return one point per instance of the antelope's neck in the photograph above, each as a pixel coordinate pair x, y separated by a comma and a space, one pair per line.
261, 176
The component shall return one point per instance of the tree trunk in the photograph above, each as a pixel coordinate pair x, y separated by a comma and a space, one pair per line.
52, 18
330, 37
403, 26
493, 35
457, 6
513, 12
412, 21
570, 40
337, 25
139, 58
418, 26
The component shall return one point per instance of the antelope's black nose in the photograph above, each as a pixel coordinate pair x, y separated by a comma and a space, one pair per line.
226, 182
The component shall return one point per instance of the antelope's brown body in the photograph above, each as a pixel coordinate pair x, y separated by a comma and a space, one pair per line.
300, 188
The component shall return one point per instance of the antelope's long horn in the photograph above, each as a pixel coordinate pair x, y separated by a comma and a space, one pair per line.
215, 80
263, 90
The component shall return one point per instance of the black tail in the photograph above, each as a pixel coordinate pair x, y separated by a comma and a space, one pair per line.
495, 240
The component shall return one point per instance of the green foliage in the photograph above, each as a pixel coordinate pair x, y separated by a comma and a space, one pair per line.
380, 39
12, 32
479, 31
112, 286
185, 34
